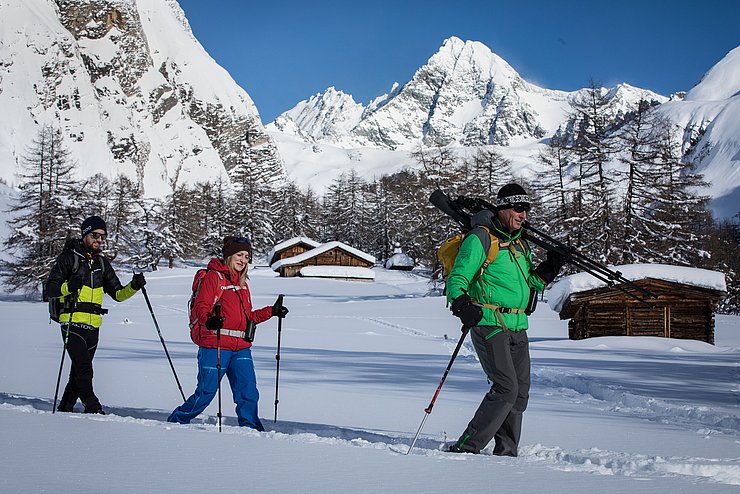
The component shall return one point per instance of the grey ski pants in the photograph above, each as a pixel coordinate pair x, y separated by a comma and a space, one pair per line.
504, 356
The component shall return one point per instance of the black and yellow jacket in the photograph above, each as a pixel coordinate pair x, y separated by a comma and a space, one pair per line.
97, 276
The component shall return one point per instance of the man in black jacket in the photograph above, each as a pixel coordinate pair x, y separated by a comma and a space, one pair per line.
80, 275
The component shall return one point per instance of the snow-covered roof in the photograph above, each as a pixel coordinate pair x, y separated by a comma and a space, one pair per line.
355, 272
289, 261
399, 260
290, 243
581, 282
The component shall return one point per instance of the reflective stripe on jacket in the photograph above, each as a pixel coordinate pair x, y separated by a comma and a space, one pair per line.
97, 277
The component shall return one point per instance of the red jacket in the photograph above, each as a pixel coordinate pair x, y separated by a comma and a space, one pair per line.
236, 308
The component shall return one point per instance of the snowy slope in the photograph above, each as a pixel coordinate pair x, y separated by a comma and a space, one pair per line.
709, 115
131, 88
359, 363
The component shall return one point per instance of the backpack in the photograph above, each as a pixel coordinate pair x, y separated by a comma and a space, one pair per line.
197, 280
57, 304
447, 252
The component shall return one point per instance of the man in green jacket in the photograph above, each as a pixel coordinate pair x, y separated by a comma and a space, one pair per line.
492, 303
82, 274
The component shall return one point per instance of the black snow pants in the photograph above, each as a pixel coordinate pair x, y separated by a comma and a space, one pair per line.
504, 356
81, 348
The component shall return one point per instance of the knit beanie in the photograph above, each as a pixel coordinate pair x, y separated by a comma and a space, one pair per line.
93, 223
511, 194
232, 245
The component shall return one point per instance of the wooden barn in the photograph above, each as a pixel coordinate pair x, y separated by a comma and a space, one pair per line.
289, 248
684, 306
327, 257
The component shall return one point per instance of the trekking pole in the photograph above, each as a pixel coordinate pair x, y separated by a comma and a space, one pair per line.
217, 313
156, 325
279, 303
61, 365
428, 410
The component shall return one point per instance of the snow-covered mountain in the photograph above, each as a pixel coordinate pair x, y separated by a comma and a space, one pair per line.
466, 95
131, 88
710, 117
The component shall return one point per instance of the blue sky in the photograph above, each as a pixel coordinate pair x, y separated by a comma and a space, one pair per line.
282, 52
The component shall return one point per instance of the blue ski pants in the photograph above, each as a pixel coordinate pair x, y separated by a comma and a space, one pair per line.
239, 368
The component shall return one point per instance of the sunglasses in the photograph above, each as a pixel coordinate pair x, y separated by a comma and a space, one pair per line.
521, 208
97, 236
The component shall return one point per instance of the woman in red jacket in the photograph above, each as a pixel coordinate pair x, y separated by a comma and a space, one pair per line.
222, 305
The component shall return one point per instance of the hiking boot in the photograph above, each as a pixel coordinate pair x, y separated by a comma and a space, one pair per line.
99, 410
454, 448
63, 407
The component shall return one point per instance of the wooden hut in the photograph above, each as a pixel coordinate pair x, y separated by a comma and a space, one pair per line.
683, 308
330, 254
290, 248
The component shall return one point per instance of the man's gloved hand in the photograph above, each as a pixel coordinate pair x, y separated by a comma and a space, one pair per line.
279, 310
74, 284
138, 281
215, 323
464, 308
551, 266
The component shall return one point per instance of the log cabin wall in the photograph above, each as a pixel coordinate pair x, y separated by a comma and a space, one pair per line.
291, 251
680, 311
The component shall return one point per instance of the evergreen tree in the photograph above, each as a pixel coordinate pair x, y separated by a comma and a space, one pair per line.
490, 171
44, 214
211, 215
251, 207
553, 189
679, 208
593, 202
722, 243
180, 223
296, 213
144, 242
345, 213
124, 193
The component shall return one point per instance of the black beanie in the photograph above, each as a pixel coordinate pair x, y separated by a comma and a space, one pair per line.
93, 223
511, 194
232, 245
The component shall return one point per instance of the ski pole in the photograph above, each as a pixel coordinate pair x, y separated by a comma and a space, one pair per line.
156, 325
428, 410
61, 365
279, 303
217, 312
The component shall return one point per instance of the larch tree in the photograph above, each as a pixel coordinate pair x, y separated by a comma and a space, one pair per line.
44, 214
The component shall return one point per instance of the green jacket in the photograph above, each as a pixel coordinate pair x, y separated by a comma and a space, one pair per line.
97, 277
506, 282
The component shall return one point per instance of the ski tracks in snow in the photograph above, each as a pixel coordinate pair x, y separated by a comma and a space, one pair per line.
595, 461
594, 393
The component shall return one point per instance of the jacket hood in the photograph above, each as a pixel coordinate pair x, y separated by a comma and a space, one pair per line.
218, 265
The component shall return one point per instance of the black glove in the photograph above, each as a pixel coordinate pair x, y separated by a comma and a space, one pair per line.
464, 308
279, 310
215, 323
74, 283
138, 281
551, 266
